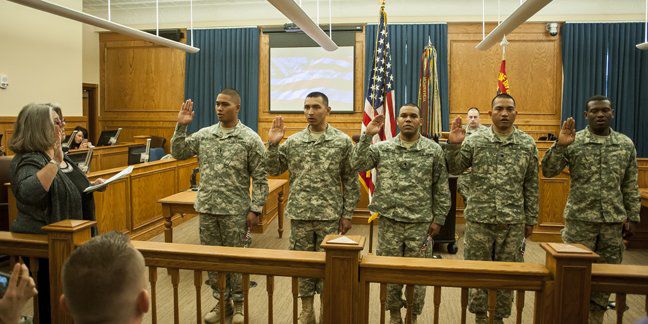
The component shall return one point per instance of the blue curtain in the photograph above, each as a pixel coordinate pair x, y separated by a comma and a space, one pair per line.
601, 58
228, 58
407, 43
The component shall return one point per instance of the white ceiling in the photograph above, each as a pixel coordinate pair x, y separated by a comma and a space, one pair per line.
94, 5
213, 13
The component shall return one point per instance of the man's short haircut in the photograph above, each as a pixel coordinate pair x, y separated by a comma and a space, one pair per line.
102, 279
317, 94
236, 96
410, 104
475, 109
597, 98
504, 96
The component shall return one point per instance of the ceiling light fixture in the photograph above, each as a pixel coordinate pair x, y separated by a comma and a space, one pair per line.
644, 46
293, 12
519, 16
103, 23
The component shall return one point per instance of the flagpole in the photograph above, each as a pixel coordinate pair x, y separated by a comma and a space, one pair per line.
383, 15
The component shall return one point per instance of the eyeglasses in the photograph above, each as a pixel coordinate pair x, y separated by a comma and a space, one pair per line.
59, 122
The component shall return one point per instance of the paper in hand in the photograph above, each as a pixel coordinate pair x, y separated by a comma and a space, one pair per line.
116, 177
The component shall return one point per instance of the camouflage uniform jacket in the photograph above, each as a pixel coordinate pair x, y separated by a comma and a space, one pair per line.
504, 176
603, 177
412, 184
323, 185
471, 131
227, 162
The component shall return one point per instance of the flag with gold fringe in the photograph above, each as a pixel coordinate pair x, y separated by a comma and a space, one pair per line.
429, 100
502, 79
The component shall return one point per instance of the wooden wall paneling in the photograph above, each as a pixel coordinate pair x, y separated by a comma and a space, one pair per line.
142, 87
533, 65
346, 122
140, 76
112, 207
145, 195
553, 198
131, 204
183, 173
269, 213
114, 158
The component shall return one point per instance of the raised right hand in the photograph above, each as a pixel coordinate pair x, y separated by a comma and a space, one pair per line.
277, 131
567, 133
58, 152
457, 133
186, 114
375, 125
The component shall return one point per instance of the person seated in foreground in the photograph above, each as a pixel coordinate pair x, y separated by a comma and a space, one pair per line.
104, 281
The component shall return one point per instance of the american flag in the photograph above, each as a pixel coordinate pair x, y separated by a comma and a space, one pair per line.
380, 93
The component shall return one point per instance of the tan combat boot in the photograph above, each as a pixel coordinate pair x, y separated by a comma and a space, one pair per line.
395, 317
213, 317
307, 315
238, 317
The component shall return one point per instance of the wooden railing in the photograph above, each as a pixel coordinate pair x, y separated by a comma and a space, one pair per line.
520, 277
30, 246
622, 280
200, 258
562, 286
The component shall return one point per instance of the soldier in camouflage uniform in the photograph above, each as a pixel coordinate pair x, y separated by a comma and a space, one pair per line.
412, 195
502, 206
323, 185
603, 192
473, 126
229, 154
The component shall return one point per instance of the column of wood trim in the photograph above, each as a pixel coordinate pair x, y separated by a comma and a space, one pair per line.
341, 280
63, 237
572, 274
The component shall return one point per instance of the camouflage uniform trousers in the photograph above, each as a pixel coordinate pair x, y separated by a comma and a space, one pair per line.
306, 235
603, 238
403, 240
224, 230
493, 242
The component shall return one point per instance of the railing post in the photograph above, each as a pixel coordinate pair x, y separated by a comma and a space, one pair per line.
340, 295
63, 237
571, 267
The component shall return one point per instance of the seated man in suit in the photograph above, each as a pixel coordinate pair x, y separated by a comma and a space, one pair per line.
104, 281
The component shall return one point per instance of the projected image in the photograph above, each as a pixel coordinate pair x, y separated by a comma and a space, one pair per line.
295, 72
